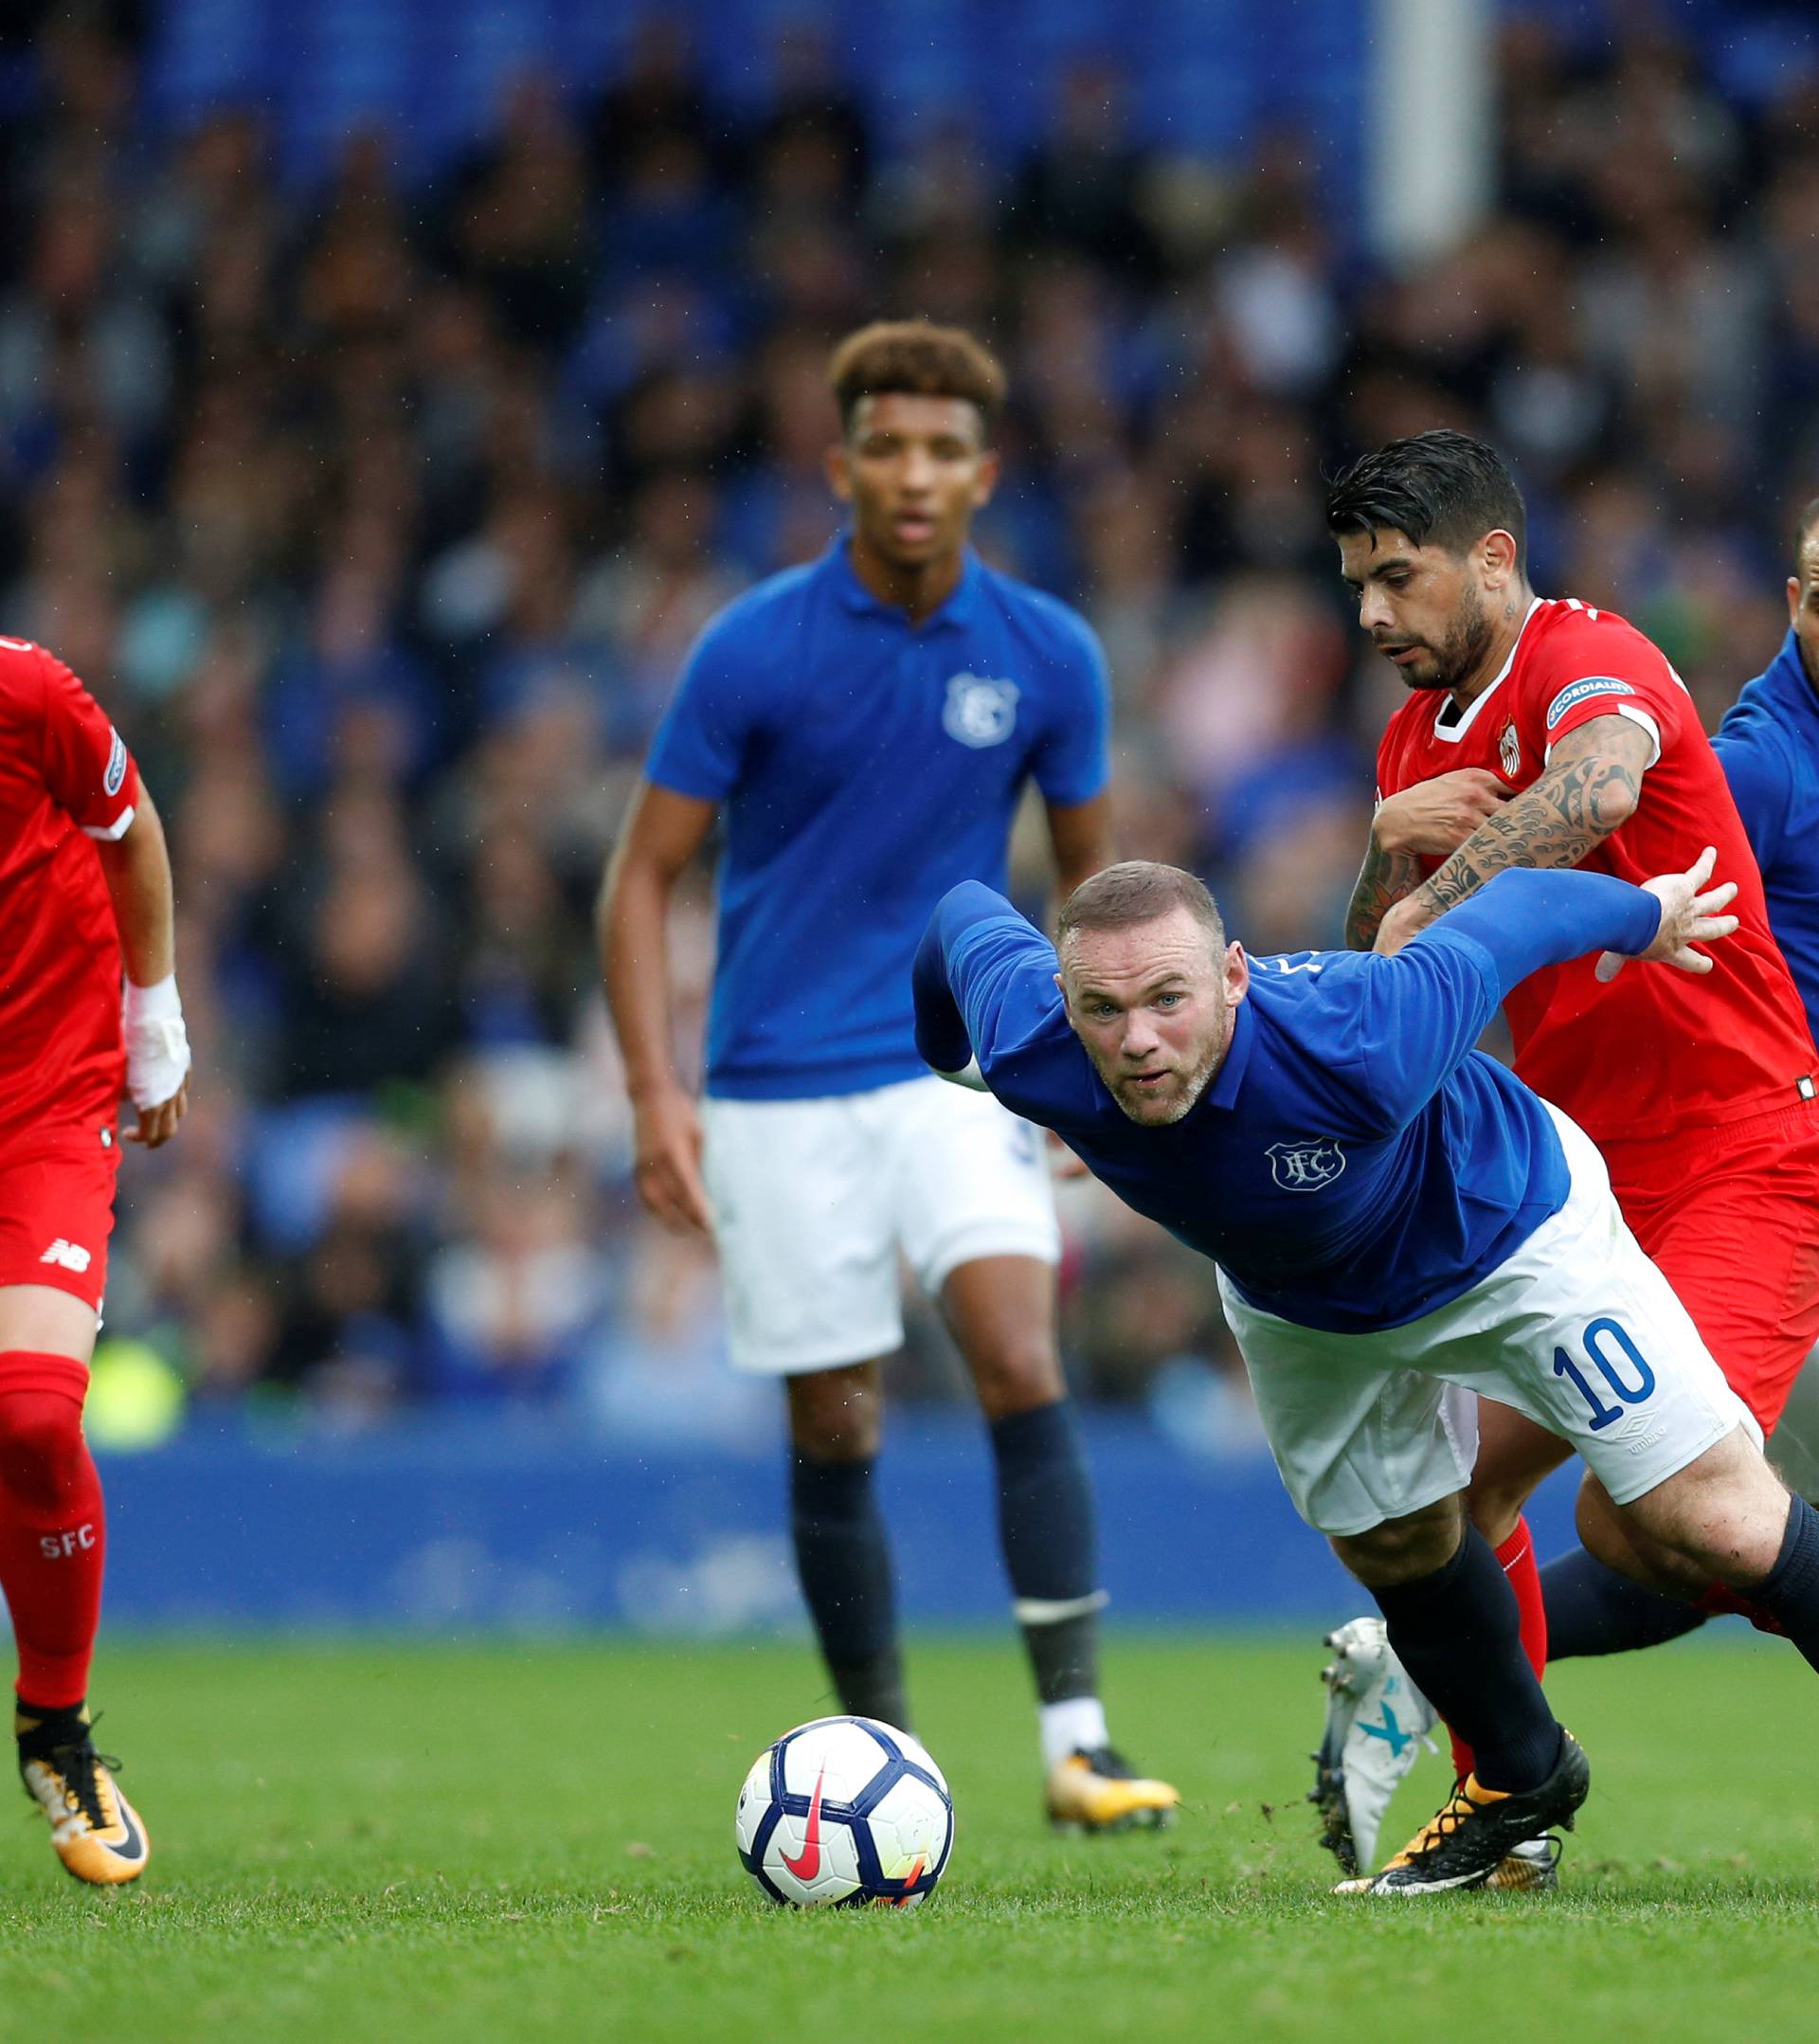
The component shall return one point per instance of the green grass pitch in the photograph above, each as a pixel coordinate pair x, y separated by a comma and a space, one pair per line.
528, 1842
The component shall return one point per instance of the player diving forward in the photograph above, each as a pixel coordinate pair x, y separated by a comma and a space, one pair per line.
1399, 1224
85, 877
869, 724
1544, 732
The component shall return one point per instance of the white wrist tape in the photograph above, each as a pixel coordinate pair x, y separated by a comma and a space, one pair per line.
971, 1076
157, 1045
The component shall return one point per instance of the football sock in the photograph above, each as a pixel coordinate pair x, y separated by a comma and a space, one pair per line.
1077, 1726
1720, 1602
44, 1726
1791, 1593
1045, 1523
1591, 1609
1516, 1557
52, 1534
1458, 1633
844, 1566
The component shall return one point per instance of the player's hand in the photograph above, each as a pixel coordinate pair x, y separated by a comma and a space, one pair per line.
1062, 1161
1434, 817
668, 1161
157, 1125
1688, 916
1402, 920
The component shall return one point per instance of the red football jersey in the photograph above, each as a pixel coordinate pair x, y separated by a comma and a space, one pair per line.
1654, 1050
66, 778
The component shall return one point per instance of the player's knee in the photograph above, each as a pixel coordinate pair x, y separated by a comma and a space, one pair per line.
835, 1419
1496, 1508
41, 1446
1017, 1375
1404, 1551
1727, 1511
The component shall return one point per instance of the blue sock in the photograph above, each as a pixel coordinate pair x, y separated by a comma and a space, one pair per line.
1591, 1609
1790, 1594
1045, 1520
1458, 1633
844, 1565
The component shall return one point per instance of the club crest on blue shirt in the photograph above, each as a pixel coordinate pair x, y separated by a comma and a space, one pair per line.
1305, 1167
978, 712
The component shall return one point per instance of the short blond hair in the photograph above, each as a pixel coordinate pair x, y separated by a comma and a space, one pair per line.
1138, 891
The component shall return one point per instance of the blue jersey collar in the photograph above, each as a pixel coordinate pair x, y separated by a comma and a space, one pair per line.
956, 612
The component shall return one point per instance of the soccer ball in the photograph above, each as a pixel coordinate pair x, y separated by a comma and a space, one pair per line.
844, 1810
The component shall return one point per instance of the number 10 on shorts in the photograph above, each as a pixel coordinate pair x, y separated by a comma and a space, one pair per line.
1618, 1360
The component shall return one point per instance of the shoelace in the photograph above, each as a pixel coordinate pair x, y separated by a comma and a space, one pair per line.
1440, 1827
76, 1761
81, 1780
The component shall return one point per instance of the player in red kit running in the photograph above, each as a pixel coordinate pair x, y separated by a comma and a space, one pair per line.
1544, 731
84, 891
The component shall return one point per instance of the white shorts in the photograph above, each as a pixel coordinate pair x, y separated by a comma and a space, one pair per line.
1577, 1330
813, 1201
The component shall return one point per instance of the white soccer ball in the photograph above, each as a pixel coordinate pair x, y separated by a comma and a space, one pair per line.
844, 1810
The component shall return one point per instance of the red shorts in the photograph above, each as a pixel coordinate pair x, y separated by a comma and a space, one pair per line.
57, 1208
1731, 1215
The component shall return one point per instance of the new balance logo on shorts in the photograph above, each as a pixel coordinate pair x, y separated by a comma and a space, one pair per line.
66, 1253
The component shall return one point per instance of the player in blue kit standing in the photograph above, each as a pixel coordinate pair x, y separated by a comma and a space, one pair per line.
1768, 746
1400, 1224
868, 725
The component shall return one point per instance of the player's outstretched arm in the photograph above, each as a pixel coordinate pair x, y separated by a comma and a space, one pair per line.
1690, 913
1591, 785
661, 833
137, 867
984, 986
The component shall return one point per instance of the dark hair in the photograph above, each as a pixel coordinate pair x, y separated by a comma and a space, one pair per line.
1806, 529
1442, 487
1138, 891
916, 359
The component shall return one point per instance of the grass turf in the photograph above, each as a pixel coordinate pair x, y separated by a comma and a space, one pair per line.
496, 1842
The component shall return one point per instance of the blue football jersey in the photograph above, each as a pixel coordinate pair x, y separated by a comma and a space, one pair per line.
1355, 1162
1768, 747
864, 765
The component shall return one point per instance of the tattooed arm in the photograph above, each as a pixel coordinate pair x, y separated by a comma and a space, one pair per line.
1430, 820
1590, 786
1385, 878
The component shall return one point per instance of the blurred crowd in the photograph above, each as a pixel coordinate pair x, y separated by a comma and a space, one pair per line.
381, 516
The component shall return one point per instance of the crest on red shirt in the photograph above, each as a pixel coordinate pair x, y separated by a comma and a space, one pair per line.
1509, 751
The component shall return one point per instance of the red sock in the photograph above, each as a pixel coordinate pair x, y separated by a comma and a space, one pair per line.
52, 1535
1517, 1554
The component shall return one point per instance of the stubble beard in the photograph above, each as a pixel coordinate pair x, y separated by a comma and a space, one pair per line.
1466, 641
1190, 1095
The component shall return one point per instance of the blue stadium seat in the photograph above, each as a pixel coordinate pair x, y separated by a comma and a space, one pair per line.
1206, 75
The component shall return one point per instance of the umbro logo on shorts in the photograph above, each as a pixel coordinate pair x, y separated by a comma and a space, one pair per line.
69, 1254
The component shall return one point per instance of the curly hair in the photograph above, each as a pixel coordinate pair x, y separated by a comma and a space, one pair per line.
918, 359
